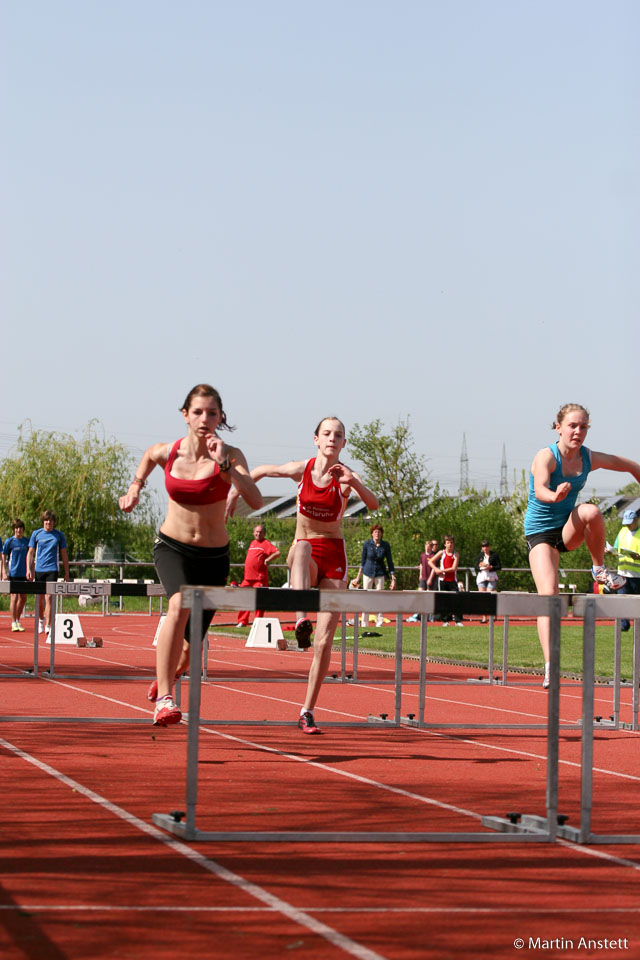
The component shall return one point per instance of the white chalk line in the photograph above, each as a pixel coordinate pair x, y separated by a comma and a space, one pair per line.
301, 917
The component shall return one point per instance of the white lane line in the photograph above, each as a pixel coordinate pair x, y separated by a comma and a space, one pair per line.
172, 908
298, 916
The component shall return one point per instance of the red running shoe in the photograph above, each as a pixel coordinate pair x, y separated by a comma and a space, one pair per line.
307, 724
303, 630
152, 692
166, 712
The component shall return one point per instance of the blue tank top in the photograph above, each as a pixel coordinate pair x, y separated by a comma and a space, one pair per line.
550, 516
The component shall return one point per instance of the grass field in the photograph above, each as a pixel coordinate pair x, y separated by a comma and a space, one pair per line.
471, 644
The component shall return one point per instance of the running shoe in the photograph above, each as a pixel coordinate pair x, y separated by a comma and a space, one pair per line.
19, 627
547, 678
459, 623
610, 579
41, 626
166, 712
307, 724
14, 627
152, 692
303, 630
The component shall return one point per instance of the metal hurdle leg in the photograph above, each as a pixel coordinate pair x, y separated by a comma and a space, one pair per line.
491, 624
422, 682
505, 650
635, 696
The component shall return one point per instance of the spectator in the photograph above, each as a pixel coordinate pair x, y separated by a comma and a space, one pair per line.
488, 563
376, 564
628, 547
47, 547
445, 564
260, 553
14, 567
427, 579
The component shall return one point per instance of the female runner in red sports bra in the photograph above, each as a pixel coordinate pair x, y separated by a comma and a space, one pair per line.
317, 557
192, 545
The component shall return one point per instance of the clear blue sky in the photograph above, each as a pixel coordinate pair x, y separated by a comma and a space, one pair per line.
357, 207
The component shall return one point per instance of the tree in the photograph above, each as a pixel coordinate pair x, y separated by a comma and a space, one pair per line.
80, 480
395, 473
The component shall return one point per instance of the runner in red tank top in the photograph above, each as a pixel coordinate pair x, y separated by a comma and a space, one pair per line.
317, 557
445, 564
192, 545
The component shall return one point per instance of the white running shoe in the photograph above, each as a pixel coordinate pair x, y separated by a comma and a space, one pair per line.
547, 678
610, 579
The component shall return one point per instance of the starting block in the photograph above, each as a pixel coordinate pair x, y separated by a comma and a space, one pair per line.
266, 632
93, 642
68, 629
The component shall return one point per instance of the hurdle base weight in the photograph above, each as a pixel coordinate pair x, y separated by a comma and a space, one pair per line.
89, 642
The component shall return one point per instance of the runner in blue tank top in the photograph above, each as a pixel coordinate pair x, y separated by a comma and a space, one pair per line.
553, 523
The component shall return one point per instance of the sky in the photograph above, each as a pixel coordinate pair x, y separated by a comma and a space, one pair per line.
378, 209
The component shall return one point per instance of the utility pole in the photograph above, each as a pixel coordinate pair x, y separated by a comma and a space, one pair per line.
464, 466
504, 489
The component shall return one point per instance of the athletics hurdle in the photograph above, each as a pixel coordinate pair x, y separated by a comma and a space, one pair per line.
589, 608
197, 599
73, 588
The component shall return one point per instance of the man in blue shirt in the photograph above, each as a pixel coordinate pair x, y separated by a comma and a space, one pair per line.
14, 553
47, 547
375, 565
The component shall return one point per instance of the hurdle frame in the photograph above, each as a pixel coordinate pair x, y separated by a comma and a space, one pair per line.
199, 598
590, 608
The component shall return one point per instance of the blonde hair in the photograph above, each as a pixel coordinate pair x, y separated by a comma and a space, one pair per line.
563, 411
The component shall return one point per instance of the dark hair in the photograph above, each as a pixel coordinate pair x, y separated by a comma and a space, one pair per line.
376, 526
49, 515
206, 390
18, 523
317, 430
563, 411
485, 543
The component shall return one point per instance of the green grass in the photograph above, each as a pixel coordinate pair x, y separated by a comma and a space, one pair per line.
471, 644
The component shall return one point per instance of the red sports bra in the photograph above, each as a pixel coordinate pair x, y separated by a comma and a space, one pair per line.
194, 492
320, 503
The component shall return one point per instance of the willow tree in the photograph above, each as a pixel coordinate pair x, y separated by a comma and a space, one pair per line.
80, 480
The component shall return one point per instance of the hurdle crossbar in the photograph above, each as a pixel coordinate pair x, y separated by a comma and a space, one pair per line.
198, 599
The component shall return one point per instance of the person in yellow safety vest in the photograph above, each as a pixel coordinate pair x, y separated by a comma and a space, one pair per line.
628, 546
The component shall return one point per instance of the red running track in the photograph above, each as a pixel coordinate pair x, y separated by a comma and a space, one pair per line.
86, 874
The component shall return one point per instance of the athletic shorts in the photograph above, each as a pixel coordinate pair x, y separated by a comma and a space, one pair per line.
330, 557
179, 564
552, 537
46, 576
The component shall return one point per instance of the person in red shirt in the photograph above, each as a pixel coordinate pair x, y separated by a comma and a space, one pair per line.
445, 563
260, 553
318, 557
